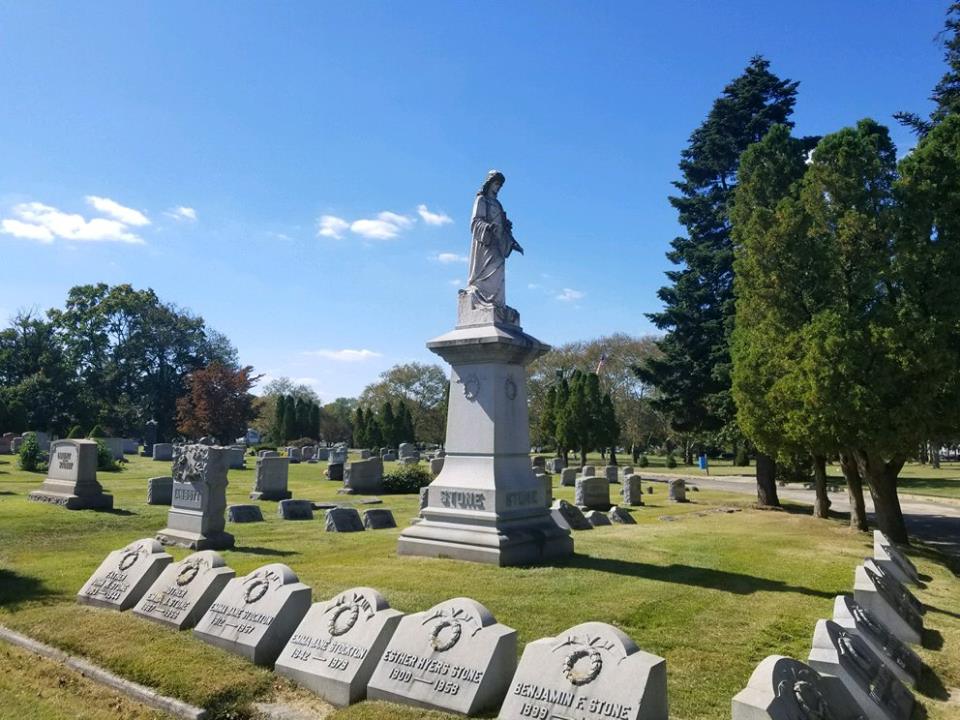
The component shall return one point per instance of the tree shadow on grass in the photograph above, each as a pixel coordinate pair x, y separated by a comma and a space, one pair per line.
930, 685
737, 583
931, 639
118, 511
269, 552
6, 492
16, 588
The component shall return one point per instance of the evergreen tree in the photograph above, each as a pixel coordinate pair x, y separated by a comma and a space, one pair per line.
548, 417
594, 406
314, 421
288, 429
388, 425
692, 374
276, 431
560, 432
610, 425
374, 433
303, 418
946, 94
359, 428
406, 432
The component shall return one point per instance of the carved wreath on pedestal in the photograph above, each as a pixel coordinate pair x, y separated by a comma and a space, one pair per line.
582, 664
510, 387
187, 574
256, 590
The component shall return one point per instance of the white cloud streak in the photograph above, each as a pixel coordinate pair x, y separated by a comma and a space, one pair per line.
431, 218
43, 223
569, 295
448, 258
331, 226
386, 226
128, 216
345, 355
182, 213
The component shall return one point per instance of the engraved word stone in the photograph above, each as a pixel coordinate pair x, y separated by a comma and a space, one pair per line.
902, 661
185, 590
271, 479
196, 517
72, 477
888, 601
125, 575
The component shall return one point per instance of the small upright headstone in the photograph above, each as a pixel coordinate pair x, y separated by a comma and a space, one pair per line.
592, 670
163, 452
115, 445
611, 472
782, 688
363, 476
185, 590
378, 519
408, 450
236, 458
255, 615
130, 446
539, 462
388, 456
337, 455
677, 490
568, 477
295, 510
842, 654
6, 443
322, 453
588, 471
244, 513
597, 518
160, 491
293, 453
196, 517
72, 478
902, 661
125, 575
569, 517
334, 471
593, 493
891, 559
364, 454
632, 491
15, 444
888, 603
436, 465
307, 452
546, 483
336, 647
343, 519
454, 657
270, 482
555, 465
268, 453
620, 516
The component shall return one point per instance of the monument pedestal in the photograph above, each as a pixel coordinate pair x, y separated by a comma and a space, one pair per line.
72, 478
196, 516
487, 505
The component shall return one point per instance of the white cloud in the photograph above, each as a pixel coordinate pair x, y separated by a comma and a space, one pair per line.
36, 221
448, 258
331, 226
181, 212
456, 282
345, 355
128, 216
386, 226
433, 218
533, 286
569, 295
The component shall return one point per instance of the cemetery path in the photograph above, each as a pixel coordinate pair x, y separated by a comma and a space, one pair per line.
936, 523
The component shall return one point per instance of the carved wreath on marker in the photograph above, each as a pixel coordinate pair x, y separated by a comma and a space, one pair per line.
451, 620
130, 555
582, 673
187, 573
256, 590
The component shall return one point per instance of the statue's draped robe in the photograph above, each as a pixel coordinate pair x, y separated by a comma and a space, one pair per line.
492, 244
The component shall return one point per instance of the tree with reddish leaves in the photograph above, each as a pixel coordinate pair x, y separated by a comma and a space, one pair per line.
218, 402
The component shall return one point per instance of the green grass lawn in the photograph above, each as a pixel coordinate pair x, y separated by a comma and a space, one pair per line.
712, 592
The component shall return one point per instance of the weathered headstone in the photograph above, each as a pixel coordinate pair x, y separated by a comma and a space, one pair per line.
592, 492
899, 658
255, 615
6, 443
454, 657
337, 455
569, 517
307, 452
270, 482
546, 482
343, 519
336, 647
597, 518
130, 446
408, 450
555, 465
632, 490
160, 491
539, 462
782, 688
842, 654
196, 517
626, 471
568, 477
677, 490
244, 513
891, 559
611, 473
620, 516
236, 458
163, 452
378, 519
389, 456
364, 454
268, 453
322, 453
363, 476
72, 477
15, 444
293, 453
334, 471
436, 465
591, 671
295, 510
125, 575
115, 445
185, 590
588, 471
888, 603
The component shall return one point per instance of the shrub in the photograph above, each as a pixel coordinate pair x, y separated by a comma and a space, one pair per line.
643, 461
105, 459
301, 442
97, 432
671, 460
798, 468
75, 433
405, 479
32, 457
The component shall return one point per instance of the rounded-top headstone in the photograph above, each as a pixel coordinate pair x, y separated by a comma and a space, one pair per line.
125, 575
185, 590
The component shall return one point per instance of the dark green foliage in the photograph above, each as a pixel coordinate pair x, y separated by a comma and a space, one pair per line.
75, 433
794, 468
314, 428
946, 95
388, 426
405, 479
671, 460
610, 427
374, 433
105, 459
289, 426
96, 432
742, 458
548, 418
643, 461
32, 458
277, 431
360, 429
692, 375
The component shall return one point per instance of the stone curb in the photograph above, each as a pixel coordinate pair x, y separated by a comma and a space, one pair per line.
133, 690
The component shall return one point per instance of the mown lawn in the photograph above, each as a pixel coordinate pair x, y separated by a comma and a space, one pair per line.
713, 592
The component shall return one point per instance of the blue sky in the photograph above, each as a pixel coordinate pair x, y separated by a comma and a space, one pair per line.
302, 174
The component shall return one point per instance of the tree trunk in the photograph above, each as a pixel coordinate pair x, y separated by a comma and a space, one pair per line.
881, 477
858, 512
767, 481
583, 456
935, 455
923, 454
688, 452
613, 456
821, 505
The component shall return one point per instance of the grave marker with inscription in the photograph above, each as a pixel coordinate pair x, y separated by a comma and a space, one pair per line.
902, 661
891, 559
244, 513
592, 671
336, 647
270, 482
454, 657
334, 471
185, 590
295, 510
72, 477
255, 615
632, 490
163, 452
343, 519
196, 517
592, 492
378, 519
363, 476
886, 601
568, 516
568, 477
160, 491
125, 575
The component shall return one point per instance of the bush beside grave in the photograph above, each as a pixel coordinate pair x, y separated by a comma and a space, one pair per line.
32, 458
75, 433
406, 479
643, 461
671, 460
105, 459
97, 432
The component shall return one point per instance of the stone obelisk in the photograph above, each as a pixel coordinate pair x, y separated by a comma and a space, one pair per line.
486, 505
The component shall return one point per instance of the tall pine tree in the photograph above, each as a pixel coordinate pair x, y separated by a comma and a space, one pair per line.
946, 95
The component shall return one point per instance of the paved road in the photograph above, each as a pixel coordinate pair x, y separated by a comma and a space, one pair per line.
933, 522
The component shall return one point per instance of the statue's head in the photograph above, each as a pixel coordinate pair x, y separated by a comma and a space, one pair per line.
494, 177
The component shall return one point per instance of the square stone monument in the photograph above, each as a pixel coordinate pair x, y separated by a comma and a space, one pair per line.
72, 477
163, 452
336, 647
185, 590
902, 661
196, 517
255, 615
363, 476
454, 657
270, 482
125, 575
592, 492
592, 670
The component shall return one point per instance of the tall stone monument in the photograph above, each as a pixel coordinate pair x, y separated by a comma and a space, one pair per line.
72, 477
196, 518
486, 505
